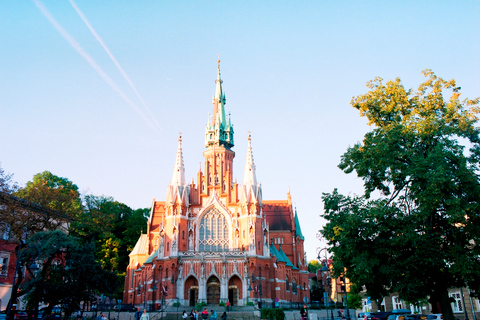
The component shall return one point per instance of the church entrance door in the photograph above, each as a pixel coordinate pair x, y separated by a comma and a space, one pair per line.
233, 295
213, 290
193, 296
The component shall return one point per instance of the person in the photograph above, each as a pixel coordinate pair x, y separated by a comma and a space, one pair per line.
184, 315
304, 312
138, 314
224, 315
192, 314
214, 315
145, 315
205, 314
228, 305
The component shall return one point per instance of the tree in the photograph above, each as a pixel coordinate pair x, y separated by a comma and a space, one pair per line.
59, 196
420, 234
313, 266
115, 228
69, 272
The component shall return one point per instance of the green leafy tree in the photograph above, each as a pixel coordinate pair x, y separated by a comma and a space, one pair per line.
313, 266
115, 228
419, 236
49, 191
69, 272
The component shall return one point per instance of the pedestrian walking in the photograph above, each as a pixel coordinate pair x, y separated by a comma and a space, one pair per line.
304, 312
205, 314
145, 315
224, 315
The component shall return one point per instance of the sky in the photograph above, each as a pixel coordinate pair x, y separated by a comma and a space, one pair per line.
98, 91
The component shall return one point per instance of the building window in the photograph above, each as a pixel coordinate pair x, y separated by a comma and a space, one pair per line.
294, 286
457, 302
287, 285
213, 232
476, 304
397, 303
4, 258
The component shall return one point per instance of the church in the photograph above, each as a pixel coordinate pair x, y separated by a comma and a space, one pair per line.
215, 240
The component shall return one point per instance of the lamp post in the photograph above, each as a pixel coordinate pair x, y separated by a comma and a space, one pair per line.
32, 268
326, 274
346, 294
258, 288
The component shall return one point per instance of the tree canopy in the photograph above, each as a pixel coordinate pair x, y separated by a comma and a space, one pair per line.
416, 229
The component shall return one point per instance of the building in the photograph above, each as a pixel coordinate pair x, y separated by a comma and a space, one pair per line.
217, 240
465, 304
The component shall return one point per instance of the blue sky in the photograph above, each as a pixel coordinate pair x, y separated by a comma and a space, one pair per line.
290, 69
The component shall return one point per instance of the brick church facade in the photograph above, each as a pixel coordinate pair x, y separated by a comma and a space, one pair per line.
217, 240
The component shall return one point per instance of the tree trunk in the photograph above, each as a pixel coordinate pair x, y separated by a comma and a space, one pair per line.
441, 299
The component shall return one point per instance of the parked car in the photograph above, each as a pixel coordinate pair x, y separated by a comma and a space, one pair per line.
19, 315
435, 316
361, 315
399, 314
416, 317
381, 315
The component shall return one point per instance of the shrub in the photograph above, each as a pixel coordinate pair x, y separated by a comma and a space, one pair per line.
276, 314
250, 304
221, 304
176, 304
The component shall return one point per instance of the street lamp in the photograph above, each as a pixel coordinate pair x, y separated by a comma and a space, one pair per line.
325, 270
257, 281
32, 268
145, 287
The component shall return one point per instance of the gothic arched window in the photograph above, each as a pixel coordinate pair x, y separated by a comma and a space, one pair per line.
213, 232
294, 286
287, 284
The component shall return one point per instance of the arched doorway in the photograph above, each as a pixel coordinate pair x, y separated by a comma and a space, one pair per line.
234, 290
191, 290
213, 290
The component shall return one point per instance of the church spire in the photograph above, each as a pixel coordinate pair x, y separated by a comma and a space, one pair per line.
250, 177
178, 178
219, 131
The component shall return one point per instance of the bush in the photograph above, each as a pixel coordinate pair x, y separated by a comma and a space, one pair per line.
176, 304
199, 306
250, 304
221, 304
276, 314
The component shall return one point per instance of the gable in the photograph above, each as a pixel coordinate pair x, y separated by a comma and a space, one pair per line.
278, 215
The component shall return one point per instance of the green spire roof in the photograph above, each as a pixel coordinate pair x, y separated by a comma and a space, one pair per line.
150, 259
219, 131
298, 230
289, 264
277, 254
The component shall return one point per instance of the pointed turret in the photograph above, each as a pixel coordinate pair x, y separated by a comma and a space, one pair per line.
251, 189
249, 177
298, 230
178, 178
178, 191
219, 132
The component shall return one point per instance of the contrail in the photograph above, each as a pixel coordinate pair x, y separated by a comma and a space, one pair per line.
110, 54
75, 45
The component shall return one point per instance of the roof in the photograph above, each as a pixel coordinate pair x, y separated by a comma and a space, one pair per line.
141, 246
298, 230
276, 254
278, 215
289, 264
